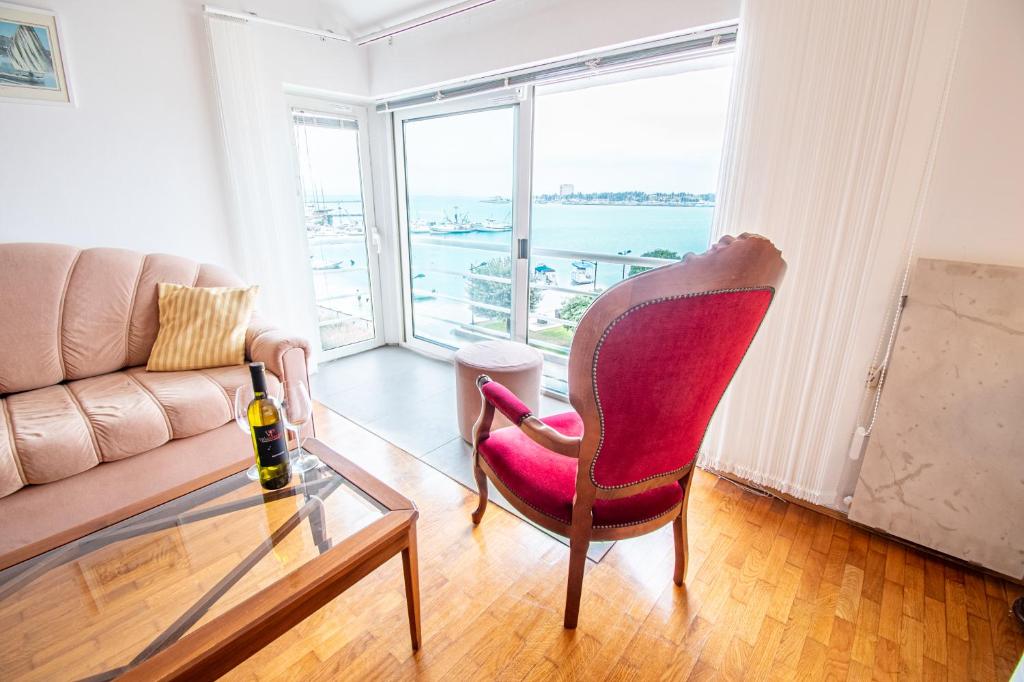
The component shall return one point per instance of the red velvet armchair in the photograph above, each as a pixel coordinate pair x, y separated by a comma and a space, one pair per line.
649, 363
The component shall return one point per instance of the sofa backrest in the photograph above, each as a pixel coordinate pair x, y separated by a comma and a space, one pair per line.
68, 313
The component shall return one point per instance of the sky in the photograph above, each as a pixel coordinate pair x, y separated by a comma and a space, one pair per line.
328, 161
655, 134
661, 134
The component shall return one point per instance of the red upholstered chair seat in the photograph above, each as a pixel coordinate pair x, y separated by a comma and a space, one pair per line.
546, 481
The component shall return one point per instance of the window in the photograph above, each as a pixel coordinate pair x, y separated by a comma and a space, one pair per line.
516, 216
458, 180
624, 177
344, 268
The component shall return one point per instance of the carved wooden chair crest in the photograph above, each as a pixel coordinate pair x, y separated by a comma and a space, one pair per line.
649, 363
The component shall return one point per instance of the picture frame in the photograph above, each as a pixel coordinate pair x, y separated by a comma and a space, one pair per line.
33, 64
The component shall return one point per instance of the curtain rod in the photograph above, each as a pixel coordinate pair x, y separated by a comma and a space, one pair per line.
253, 17
700, 43
422, 21
359, 40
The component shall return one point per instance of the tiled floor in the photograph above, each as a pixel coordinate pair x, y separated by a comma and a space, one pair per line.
409, 400
402, 396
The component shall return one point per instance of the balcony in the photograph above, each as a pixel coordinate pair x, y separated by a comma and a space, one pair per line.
452, 307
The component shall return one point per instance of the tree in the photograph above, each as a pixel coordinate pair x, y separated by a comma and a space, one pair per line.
495, 293
657, 253
573, 308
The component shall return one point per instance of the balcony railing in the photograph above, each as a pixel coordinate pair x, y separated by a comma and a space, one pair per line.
556, 355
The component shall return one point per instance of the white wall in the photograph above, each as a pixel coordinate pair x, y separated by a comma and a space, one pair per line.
975, 207
511, 33
138, 163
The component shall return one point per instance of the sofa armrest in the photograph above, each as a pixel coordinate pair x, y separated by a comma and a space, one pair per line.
284, 355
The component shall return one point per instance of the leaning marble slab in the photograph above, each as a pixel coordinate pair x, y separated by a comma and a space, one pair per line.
944, 466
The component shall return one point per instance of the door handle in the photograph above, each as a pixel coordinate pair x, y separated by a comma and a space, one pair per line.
375, 239
524, 249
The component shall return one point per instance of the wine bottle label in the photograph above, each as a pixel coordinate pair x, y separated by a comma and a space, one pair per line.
271, 448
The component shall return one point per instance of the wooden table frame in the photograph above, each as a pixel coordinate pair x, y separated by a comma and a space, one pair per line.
225, 641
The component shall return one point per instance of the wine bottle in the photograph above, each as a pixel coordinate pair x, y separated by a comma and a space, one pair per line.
268, 433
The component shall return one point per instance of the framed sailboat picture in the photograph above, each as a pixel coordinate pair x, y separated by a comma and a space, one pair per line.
32, 66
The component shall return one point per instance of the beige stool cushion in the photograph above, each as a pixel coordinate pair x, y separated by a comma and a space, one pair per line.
515, 365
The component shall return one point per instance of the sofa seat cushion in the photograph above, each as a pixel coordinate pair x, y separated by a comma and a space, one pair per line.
55, 432
193, 402
51, 436
123, 418
40, 517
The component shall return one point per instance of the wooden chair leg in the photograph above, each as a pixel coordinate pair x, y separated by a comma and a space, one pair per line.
481, 484
682, 550
577, 562
679, 533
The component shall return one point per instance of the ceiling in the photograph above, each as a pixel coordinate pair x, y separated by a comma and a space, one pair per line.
360, 17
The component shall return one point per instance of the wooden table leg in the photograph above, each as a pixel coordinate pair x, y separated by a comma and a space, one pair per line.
410, 566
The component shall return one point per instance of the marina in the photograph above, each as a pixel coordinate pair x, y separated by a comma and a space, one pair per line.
576, 250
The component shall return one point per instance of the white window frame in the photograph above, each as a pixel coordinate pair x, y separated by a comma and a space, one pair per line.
519, 101
359, 114
524, 98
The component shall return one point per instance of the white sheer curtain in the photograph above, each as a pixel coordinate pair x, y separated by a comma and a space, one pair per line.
266, 226
836, 105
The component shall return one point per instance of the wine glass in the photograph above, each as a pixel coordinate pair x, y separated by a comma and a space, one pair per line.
297, 410
244, 396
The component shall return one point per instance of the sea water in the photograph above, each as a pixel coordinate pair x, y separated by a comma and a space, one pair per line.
600, 228
438, 262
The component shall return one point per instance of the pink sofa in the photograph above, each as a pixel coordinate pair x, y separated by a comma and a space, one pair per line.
88, 436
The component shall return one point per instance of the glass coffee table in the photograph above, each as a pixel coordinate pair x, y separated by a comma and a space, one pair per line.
191, 588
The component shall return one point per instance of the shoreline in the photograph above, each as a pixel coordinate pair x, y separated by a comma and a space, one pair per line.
598, 202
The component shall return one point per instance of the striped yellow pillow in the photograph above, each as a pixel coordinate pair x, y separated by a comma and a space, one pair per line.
201, 327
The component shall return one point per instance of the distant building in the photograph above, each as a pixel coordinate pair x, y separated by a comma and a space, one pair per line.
566, 189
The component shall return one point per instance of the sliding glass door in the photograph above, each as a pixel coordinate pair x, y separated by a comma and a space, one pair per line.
340, 231
458, 221
516, 217
624, 175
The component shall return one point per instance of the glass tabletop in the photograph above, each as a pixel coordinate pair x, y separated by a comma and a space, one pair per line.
102, 604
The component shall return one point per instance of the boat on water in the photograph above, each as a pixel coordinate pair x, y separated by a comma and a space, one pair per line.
452, 228
31, 61
492, 225
497, 199
459, 224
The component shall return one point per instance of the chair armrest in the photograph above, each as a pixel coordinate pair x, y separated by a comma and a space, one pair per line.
504, 400
496, 396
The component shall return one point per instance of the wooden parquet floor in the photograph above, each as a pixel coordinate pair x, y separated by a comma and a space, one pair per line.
774, 591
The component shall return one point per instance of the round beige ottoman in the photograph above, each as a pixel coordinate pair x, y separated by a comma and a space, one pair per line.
515, 365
